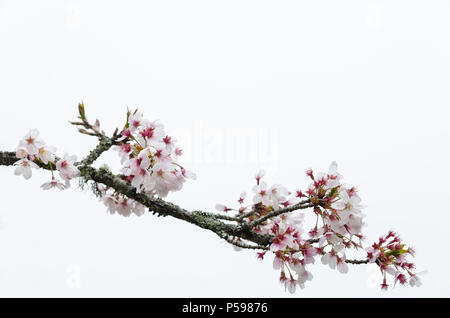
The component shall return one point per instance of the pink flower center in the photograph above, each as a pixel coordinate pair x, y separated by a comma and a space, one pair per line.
167, 140
148, 133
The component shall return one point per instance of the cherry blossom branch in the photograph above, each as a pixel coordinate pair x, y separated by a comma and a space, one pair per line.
202, 219
151, 170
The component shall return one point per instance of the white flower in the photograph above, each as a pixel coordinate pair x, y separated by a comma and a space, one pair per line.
169, 143
24, 168
163, 179
55, 184
31, 142
334, 177
242, 197
303, 277
135, 121
342, 265
138, 209
143, 159
294, 219
46, 154
21, 152
162, 154
222, 208
330, 237
290, 285
151, 134
124, 208
66, 167
277, 262
188, 174
336, 225
332, 258
355, 223
124, 152
329, 259
372, 254
415, 280
309, 255
262, 195
138, 178
277, 194
261, 173
111, 203
351, 204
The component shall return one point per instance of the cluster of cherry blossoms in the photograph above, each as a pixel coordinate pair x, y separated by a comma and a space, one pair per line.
119, 203
33, 151
150, 161
338, 227
391, 256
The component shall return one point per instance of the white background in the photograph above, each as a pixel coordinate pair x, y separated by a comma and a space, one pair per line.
365, 83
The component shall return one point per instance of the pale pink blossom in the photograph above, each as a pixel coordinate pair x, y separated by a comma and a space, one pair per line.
31, 142
46, 154
372, 254
342, 265
54, 183
291, 285
262, 194
135, 121
21, 152
415, 280
261, 173
277, 262
66, 167
222, 208
24, 167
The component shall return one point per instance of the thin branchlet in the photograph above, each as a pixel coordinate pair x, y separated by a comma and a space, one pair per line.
357, 262
234, 241
299, 206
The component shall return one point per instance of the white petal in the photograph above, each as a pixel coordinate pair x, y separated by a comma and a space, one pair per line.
27, 173
342, 267
333, 168
325, 259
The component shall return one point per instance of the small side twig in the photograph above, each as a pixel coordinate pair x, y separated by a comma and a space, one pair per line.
94, 129
356, 261
301, 205
240, 244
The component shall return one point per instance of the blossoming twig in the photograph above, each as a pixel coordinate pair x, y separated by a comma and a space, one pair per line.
151, 169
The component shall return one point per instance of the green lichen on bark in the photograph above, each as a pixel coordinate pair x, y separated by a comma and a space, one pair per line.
104, 145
